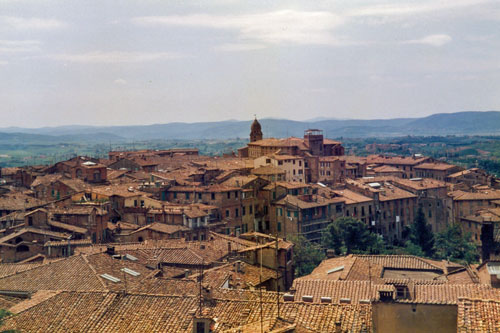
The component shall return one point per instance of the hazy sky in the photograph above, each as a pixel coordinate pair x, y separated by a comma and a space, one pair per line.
141, 62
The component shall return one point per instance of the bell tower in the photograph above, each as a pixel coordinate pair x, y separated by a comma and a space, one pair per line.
255, 131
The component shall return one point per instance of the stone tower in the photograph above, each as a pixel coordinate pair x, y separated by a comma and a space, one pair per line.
255, 131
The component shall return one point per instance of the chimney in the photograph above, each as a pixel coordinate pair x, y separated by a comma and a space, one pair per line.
238, 267
338, 327
330, 253
186, 273
229, 247
110, 250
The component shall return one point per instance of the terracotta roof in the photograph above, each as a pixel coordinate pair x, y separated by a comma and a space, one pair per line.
247, 276
483, 195
33, 230
162, 228
419, 183
395, 160
387, 168
68, 227
9, 269
116, 312
351, 197
478, 315
268, 170
317, 201
77, 273
45, 179
436, 166
18, 201
423, 293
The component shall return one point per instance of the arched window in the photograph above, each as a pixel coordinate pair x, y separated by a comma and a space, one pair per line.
22, 248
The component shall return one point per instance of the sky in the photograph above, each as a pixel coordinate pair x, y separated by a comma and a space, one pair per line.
156, 61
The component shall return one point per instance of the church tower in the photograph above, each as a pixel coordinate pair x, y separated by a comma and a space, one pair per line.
255, 131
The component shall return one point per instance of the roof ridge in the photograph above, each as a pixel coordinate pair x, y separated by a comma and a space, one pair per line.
85, 259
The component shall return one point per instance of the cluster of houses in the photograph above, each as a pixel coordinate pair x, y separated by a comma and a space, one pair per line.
172, 223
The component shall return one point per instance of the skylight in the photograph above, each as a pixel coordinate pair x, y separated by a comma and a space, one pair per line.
110, 278
131, 272
336, 269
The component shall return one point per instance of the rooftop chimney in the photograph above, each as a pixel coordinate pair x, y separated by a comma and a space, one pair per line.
110, 250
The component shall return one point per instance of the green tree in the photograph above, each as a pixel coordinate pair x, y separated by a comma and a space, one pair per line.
452, 244
4, 314
306, 255
421, 234
350, 235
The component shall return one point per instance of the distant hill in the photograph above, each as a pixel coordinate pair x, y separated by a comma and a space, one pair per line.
460, 123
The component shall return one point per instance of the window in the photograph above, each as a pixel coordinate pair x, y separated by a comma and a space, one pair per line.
279, 226
227, 212
229, 195
243, 211
236, 212
200, 327
175, 195
187, 196
199, 196
30, 220
212, 196
142, 203
251, 209
236, 194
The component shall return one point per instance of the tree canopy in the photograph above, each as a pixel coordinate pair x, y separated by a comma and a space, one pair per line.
454, 245
306, 255
421, 235
349, 235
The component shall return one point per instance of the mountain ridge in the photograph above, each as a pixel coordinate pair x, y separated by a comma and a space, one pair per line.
458, 123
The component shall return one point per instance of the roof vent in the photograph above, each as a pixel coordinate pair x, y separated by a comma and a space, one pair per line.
364, 301
288, 297
325, 299
345, 301
307, 298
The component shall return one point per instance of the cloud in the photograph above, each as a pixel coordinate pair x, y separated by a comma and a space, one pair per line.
285, 26
238, 47
419, 7
17, 46
33, 23
120, 82
3, 63
114, 57
433, 40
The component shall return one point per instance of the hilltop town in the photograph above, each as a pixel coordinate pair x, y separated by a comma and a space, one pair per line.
175, 241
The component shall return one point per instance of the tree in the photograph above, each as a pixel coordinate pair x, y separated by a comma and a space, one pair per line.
306, 256
452, 244
421, 234
4, 314
350, 235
